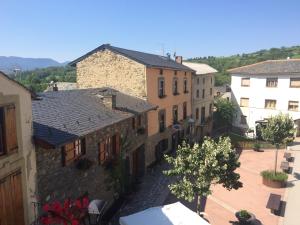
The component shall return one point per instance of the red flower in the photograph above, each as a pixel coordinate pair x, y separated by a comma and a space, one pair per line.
85, 202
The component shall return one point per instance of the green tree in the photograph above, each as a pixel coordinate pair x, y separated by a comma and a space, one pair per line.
224, 112
197, 168
278, 130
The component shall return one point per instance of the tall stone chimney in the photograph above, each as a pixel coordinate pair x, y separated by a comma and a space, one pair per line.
178, 59
110, 100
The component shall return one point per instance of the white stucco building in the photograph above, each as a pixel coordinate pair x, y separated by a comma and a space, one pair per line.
202, 97
264, 89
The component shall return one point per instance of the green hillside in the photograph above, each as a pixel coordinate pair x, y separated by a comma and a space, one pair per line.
222, 64
38, 79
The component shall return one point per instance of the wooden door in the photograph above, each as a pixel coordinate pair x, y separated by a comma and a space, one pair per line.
11, 200
135, 164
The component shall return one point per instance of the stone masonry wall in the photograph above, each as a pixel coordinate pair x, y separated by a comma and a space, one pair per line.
105, 68
56, 182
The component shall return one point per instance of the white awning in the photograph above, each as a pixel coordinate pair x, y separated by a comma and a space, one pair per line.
173, 214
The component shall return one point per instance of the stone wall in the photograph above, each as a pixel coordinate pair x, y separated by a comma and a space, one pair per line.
105, 68
56, 182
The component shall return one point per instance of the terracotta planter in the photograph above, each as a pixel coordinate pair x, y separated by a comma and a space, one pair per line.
243, 221
273, 184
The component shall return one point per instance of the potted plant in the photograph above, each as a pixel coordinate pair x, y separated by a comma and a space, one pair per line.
244, 217
256, 146
274, 179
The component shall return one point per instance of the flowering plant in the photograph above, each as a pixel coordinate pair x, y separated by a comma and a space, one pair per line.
68, 213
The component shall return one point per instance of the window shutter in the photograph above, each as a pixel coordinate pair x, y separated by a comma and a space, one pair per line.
101, 152
118, 147
10, 128
63, 156
83, 146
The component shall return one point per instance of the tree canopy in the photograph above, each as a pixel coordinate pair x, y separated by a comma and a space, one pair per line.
198, 167
224, 112
279, 129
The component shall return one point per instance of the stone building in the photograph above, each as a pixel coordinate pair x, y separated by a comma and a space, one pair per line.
17, 155
81, 134
158, 79
202, 98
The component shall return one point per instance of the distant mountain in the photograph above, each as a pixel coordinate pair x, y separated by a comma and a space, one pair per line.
9, 64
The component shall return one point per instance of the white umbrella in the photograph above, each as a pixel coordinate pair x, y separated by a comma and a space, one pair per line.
173, 214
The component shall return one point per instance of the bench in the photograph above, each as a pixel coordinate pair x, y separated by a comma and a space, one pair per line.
285, 166
274, 203
288, 156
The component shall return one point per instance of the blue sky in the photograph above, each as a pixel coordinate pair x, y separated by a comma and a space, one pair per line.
65, 29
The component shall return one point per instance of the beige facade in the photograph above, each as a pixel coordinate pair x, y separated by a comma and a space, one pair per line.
22, 159
107, 68
202, 106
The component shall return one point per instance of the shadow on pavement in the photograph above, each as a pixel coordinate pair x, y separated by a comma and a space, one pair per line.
255, 222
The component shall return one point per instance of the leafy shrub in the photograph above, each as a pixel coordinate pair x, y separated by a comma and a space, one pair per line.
256, 146
244, 214
271, 175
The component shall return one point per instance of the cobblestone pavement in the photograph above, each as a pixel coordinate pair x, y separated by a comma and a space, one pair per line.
152, 191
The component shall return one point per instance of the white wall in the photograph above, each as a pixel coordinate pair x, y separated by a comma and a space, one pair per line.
258, 92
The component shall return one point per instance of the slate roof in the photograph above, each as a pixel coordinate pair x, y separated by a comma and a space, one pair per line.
62, 116
147, 59
287, 66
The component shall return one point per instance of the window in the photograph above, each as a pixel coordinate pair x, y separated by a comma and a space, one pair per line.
293, 105
211, 80
270, 104
203, 80
245, 82
244, 102
243, 119
161, 120
198, 80
161, 71
139, 120
161, 87
175, 86
203, 93
185, 87
133, 123
175, 114
8, 130
210, 91
73, 151
197, 113
109, 149
210, 109
202, 115
184, 109
295, 82
197, 93
175, 72
271, 82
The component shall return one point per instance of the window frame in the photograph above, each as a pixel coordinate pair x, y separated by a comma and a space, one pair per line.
294, 110
243, 98
162, 120
78, 150
297, 79
161, 90
203, 93
175, 86
270, 79
243, 79
266, 100
243, 120
175, 114
185, 86
109, 148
